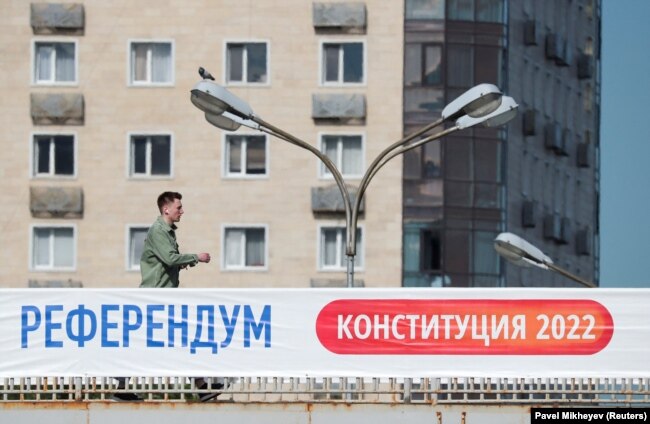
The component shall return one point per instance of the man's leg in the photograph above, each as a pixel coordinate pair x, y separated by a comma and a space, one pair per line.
124, 396
214, 384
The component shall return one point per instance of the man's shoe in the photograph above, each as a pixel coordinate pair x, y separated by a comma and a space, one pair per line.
126, 397
204, 397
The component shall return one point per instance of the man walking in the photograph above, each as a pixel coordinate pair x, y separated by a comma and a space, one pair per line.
160, 266
161, 262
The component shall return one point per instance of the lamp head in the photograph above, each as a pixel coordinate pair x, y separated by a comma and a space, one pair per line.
518, 251
212, 98
229, 122
476, 102
506, 111
207, 103
221, 121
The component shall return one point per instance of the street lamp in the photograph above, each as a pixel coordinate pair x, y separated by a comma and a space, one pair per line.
483, 104
518, 251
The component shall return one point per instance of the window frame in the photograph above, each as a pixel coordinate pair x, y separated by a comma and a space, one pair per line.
359, 258
128, 266
33, 267
32, 155
129, 151
476, 13
322, 65
226, 63
323, 172
423, 45
244, 268
426, 18
225, 149
130, 77
54, 40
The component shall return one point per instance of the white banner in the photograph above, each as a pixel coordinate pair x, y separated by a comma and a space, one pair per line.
325, 332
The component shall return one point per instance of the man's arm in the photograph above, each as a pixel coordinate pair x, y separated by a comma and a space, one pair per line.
165, 250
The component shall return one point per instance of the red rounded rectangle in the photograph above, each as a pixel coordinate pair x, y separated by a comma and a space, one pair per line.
464, 327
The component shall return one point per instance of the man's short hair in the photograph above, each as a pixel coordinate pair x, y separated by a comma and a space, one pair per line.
167, 197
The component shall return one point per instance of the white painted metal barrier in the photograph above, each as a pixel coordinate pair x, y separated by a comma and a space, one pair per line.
501, 391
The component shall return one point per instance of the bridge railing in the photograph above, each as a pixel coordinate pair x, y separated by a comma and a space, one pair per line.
587, 391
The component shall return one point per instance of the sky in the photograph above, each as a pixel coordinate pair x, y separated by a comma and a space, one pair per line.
625, 144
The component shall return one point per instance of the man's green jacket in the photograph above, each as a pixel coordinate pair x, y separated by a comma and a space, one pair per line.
160, 261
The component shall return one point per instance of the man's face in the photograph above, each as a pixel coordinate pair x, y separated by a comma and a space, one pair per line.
174, 210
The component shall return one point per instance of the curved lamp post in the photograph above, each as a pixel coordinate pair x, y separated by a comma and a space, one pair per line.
481, 105
518, 251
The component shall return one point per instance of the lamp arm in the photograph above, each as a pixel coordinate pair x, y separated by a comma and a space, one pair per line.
376, 162
569, 275
404, 148
388, 154
283, 135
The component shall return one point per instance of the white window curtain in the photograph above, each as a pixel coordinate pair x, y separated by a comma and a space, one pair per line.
41, 247
63, 247
345, 152
235, 60
44, 58
333, 248
234, 154
53, 248
329, 247
330, 148
139, 62
138, 235
351, 155
161, 62
234, 244
331, 56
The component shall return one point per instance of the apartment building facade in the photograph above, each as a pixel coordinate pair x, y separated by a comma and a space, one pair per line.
98, 122
539, 176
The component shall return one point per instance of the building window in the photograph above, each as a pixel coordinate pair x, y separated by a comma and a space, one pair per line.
54, 156
332, 246
151, 63
346, 151
423, 78
460, 65
150, 156
55, 62
485, 259
53, 248
423, 65
246, 156
247, 63
431, 259
422, 253
425, 9
343, 63
136, 236
244, 248
476, 10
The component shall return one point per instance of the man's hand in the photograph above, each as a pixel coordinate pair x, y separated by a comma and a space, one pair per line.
204, 257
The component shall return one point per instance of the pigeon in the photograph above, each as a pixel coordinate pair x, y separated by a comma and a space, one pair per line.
205, 74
